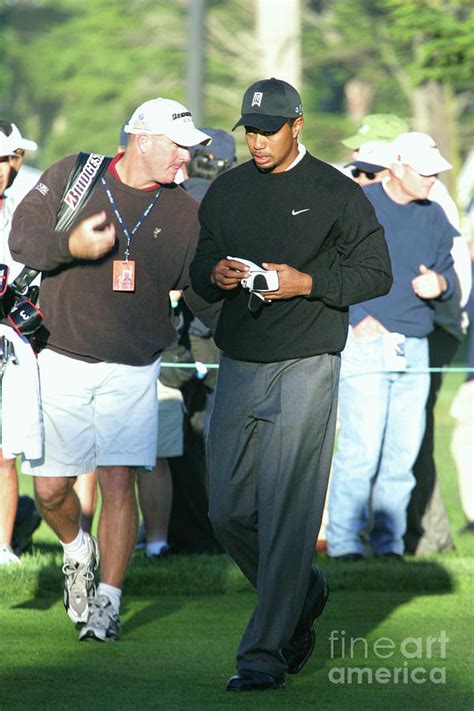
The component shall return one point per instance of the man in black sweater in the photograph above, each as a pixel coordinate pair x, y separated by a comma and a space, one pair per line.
272, 428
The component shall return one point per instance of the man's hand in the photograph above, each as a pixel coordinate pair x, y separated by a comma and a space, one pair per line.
368, 329
227, 273
291, 282
429, 284
92, 238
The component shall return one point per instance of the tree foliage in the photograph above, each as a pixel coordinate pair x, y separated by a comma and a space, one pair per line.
440, 33
409, 52
73, 70
77, 69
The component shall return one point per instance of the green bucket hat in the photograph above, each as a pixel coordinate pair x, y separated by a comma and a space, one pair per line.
377, 127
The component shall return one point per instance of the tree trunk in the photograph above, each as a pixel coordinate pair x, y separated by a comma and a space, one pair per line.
358, 95
435, 112
278, 29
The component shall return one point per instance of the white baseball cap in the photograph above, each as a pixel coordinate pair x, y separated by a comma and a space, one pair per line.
168, 118
419, 151
374, 156
9, 144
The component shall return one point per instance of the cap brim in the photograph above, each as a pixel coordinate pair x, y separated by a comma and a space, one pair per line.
431, 167
353, 142
261, 121
183, 137
189, 137
27, 145
6, 152
369, 167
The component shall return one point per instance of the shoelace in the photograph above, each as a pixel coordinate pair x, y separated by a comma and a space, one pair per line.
71, 570
100, 609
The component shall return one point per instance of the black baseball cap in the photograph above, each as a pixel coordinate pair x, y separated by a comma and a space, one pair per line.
268, 103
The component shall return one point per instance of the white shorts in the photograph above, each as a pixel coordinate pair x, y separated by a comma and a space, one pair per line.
95, 414
170, 422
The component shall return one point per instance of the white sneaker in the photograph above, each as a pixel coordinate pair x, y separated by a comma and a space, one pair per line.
103, 623
79, 582
7, 555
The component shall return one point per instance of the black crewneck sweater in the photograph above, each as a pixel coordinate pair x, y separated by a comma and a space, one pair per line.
312, 218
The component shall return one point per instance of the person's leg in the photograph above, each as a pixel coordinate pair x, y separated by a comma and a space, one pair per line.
363, 403
403, 434
155, 487
59, 505
8, 508
230, 451
8, 501
462, 409
126, 415
206, 351
293, 461
86, 490
155, 493
66, 399
118, 522
427, 522
435, 523
270, 454
8, 498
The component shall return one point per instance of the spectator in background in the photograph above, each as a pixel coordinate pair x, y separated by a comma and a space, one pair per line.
155, 486
190, 529
371, 162
172, 496
209, 162
382, 404
205, 165
428, 528
16, 180
376, 127
462, 410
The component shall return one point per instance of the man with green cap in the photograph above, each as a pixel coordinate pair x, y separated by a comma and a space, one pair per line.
377, 127
428, 529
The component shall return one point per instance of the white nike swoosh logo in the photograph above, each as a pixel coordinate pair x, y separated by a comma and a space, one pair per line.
298, 212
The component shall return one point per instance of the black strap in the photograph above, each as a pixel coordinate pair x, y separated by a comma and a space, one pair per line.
83, 178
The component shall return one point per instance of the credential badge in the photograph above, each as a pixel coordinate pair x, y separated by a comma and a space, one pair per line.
257, 99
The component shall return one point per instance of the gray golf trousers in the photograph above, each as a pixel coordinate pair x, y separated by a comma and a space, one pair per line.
269, 455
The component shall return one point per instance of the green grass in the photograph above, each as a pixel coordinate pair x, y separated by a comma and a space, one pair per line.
177, 651
182, 620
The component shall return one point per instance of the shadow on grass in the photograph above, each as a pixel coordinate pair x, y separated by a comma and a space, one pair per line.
40, 580
149, 614
411, 575
160, 664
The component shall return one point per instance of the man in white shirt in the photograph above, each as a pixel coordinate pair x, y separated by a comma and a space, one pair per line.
15, 182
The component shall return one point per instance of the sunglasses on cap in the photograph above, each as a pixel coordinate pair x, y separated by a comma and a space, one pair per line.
355, 172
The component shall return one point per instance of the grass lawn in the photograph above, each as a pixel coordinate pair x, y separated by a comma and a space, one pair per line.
393, 636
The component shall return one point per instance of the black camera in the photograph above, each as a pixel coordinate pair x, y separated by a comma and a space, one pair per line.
18, 301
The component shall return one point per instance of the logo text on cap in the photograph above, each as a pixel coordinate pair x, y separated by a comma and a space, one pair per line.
257, 99
183, 115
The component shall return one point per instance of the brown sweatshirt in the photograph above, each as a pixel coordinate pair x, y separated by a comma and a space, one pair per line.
83, 317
